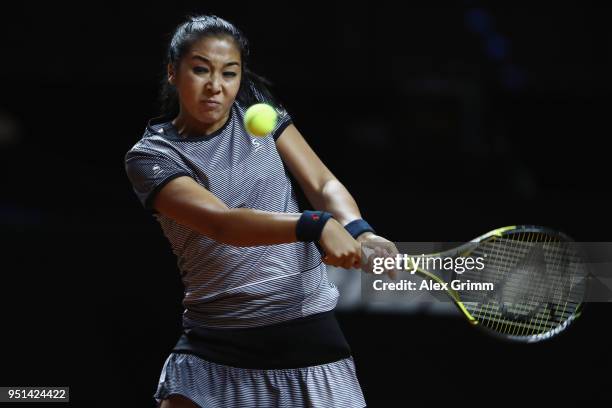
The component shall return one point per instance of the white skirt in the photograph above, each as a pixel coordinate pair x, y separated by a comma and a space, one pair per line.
214, 385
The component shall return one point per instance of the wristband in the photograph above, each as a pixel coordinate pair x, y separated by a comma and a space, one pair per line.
358, 227
310, 225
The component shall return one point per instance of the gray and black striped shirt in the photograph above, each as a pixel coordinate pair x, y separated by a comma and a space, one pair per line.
228, 286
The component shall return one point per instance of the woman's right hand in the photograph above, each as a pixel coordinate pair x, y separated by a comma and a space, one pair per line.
340, 248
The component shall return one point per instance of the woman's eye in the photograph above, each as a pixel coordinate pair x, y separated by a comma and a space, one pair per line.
199, 70
229, 74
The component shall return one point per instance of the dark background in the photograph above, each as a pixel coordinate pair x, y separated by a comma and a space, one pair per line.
443, 121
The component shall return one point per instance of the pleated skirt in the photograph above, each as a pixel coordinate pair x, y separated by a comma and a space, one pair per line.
213, 385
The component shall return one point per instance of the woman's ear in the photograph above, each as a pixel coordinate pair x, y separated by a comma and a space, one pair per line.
171, 74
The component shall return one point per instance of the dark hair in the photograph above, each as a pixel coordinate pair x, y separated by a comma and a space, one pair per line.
253, 88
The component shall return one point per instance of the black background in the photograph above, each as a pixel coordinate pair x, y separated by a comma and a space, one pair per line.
439, 134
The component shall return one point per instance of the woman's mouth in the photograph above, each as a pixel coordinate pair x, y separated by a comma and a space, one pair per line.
211, 104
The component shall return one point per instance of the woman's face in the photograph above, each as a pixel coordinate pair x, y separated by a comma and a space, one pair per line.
207, 81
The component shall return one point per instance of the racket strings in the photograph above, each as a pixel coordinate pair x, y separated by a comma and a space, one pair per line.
538, 298
553, 310
535, 284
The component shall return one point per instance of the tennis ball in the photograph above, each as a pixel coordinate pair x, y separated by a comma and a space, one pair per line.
260, 119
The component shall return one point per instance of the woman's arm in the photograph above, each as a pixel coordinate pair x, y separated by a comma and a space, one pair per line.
190, 204
320, 186
324, 191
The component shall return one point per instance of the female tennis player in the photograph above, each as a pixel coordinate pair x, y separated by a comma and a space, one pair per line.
259, 324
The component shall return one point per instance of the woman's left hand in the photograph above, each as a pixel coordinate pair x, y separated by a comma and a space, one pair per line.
381, 247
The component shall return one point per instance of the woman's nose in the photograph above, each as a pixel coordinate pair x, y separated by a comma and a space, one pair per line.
213, 85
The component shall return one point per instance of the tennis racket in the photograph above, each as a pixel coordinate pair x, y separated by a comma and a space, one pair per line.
538, 282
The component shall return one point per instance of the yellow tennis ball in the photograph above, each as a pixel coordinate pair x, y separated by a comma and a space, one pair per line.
260, 119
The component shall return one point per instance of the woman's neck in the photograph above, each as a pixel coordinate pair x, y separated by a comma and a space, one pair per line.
186, 125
